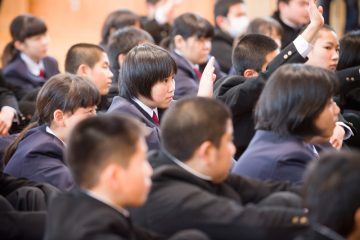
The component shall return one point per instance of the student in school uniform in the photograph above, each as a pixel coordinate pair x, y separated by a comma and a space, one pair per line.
91, 61
26, 65
37, 153
295, 111
147, 87
190, 48
107, 156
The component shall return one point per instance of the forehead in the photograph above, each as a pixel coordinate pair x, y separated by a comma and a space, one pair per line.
327, 36
238, 9
298, 2
103, 58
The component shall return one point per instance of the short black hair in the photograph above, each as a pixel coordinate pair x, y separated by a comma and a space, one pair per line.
293, 98
265, 26
94, 141
349, 50
222, 7
332, 193
144, 66
116, 20
250, 52
190, 122
121, 42
82, 53
192, 25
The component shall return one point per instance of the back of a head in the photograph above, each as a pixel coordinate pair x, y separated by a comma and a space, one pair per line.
116, 20
250, 52
82, 53
97, 141
192, 25
22, 27
293, 98
332, 194
190, 122
267, 26
66, 92
122, 41
221, 7
144, 66
349, 50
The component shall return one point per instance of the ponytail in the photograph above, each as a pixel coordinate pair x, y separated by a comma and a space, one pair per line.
10, 150
8, 54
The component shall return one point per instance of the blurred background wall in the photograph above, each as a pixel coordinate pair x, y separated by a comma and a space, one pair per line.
73, 21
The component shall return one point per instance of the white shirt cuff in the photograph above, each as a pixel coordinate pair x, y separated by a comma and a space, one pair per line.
348, 131
302, 46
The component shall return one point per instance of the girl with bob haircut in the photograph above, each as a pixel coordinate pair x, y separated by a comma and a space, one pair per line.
147, 86
25, 61
295, 111
37, 153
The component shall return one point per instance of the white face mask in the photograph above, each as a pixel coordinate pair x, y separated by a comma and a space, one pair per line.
238, 25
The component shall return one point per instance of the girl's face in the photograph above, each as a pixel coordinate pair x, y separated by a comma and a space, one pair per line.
325, 53
35, 47
326, 121
71, 119
162, 93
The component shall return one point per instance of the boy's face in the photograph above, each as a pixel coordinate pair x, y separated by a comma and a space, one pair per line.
296, 11
194, 49
35, 47
136, 178
325, 53
101, 74
223, 155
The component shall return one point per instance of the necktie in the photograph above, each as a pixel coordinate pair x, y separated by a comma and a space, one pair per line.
42, 73
197, 72
155, 118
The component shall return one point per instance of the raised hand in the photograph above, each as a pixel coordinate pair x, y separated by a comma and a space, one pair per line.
206, 85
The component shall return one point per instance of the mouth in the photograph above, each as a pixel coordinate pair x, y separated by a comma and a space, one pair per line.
333, 67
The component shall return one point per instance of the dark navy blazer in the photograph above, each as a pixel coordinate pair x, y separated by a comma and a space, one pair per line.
39, 157
272, 157
123, 105
21, 81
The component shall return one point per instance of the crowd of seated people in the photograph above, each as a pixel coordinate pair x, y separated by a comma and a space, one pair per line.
172, 128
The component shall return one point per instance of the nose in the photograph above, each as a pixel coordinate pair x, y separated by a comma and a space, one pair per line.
336, 109
171, 85
149, 170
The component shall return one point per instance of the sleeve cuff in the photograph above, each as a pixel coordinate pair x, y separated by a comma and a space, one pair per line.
302, 46
348, 131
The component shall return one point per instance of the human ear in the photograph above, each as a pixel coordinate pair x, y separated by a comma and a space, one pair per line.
83, 70
19, 45
58, 118
205, 152
179, 42
250, 73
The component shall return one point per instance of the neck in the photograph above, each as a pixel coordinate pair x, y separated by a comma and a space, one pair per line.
59, 132
146, 101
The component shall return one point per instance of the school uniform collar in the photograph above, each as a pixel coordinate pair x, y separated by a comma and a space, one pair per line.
100, 198
147, 109
191, 64
33, 67
186, 167
48, 130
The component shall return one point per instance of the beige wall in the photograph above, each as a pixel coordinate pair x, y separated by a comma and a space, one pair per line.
73, 21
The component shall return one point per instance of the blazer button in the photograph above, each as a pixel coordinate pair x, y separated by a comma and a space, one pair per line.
352, 79
303, 220
286, 56
295, 220
347, 79
289, 53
